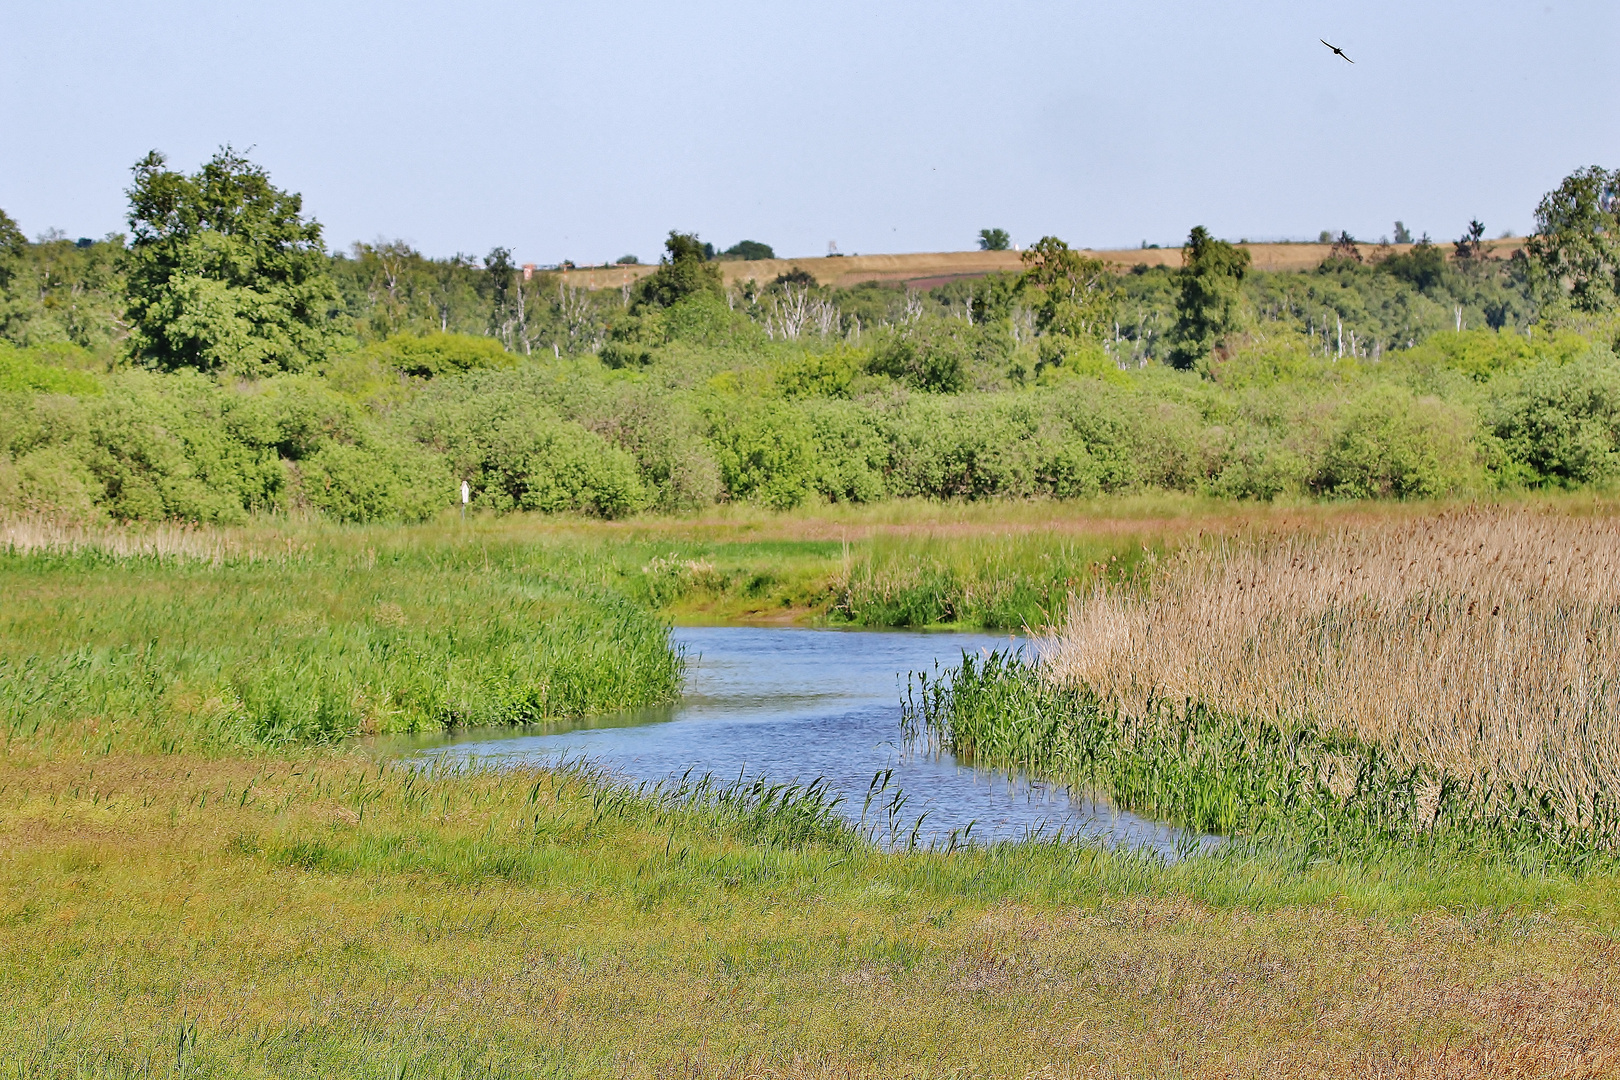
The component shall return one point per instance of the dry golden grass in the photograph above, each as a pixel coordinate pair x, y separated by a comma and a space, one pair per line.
925, 269
1484, 642
26, 535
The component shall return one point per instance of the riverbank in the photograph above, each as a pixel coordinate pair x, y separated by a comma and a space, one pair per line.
171, 915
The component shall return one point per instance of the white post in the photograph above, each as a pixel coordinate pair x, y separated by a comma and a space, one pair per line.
466, 494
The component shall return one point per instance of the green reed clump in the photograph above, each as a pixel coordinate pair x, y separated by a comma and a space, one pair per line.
1322, 794
1001, 582
175, 654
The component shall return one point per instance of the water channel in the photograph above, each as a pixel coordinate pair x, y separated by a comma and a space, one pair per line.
797, 705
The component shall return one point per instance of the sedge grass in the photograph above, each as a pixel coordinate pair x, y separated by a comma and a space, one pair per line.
200, 647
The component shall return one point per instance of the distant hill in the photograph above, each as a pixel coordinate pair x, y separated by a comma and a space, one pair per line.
928, 269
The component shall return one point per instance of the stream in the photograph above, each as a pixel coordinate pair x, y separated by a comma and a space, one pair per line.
797, 705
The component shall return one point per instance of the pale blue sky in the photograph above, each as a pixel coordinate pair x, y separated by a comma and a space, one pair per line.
587, 130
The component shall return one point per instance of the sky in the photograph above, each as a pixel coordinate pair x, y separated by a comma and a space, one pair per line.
587, 131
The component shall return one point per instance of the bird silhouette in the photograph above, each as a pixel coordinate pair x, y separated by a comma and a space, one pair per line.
1337, 51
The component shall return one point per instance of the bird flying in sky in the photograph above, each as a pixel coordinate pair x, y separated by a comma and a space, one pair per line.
1337, 51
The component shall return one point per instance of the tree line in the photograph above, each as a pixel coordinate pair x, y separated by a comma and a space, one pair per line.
217, 361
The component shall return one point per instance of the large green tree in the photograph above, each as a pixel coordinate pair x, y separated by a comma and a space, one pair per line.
225, 271
1072, 293
684, 271
13, 246
1208, 285
748, 250
1575, 252
12, 241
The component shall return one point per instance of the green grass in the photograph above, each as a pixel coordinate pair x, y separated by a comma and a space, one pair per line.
344, 636
1009, 581
198, 883
287, 634
902, 564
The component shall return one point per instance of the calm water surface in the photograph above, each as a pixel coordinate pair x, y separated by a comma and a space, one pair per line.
798, 705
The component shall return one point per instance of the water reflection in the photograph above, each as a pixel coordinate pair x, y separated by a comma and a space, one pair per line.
795, 705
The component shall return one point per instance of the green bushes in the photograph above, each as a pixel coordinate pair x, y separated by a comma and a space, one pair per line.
766, 453
1392, 445
184, 447
663, 435
374, 480
48, 480
791, 423
1560, 424
1482, 354
41, 371
517, 454
853, 450
430, 355
971, 450
932, 355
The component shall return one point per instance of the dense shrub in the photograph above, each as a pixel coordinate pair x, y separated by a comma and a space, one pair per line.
184, 447
1482, 354
789, 422
42, 370
664, 437
1393, 445
932, 355
766, 451
1560, 424
704, 319
854, 445
376, 479
50, 480
516, 453
430, 355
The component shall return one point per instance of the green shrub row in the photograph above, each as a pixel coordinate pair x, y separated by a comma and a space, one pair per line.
388, 434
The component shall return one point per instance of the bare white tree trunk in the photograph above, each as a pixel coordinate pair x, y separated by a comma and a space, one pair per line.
789, 314
914, 306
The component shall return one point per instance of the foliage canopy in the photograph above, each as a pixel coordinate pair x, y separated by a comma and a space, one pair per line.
1576, 247
225, 272
1207, 301
684, 271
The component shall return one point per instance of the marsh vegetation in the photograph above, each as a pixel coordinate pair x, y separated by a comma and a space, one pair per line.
542, 922
1442, 681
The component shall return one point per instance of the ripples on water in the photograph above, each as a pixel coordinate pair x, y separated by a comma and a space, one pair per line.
796, 705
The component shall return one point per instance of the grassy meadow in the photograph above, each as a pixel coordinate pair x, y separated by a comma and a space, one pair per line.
205, 877
174, 916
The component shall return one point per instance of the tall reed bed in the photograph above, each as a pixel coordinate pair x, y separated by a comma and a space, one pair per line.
175, 650
1455, 673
